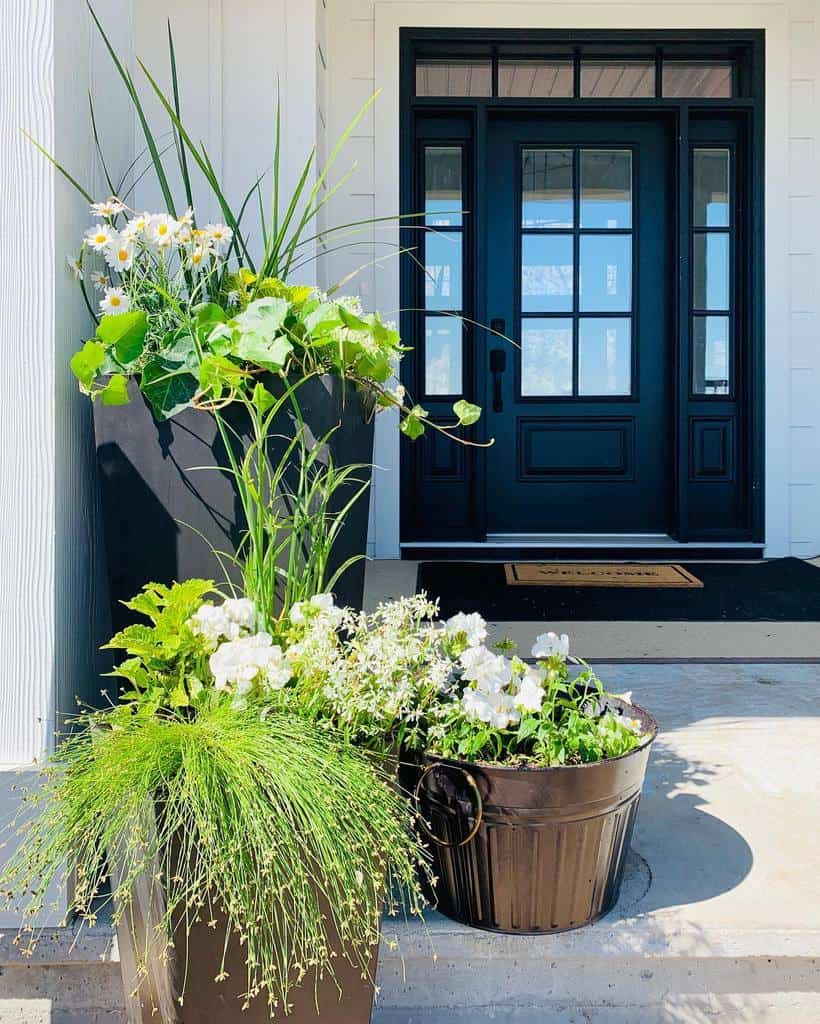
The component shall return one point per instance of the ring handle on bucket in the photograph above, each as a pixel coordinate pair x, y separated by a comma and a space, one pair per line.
478, 802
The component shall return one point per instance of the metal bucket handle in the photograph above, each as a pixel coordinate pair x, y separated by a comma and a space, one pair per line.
478, 801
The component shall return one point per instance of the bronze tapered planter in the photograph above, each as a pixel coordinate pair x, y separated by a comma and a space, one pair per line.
531, 850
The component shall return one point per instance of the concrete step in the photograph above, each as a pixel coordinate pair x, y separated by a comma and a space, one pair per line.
629, 968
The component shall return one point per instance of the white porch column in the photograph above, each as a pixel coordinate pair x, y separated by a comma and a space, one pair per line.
50, 617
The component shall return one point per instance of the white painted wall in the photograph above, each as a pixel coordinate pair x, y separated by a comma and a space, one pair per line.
50, 618
363, 56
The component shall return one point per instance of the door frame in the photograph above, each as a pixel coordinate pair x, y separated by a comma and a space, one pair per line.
746, 46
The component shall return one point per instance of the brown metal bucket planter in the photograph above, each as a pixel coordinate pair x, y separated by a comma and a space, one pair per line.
531, 850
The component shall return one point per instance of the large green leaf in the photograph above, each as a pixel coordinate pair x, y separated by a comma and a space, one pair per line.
467, 412
257, 348
86, 363
168, 386
125, 333
264, 316
115, 391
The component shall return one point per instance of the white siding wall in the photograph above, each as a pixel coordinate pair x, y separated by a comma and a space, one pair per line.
51, 619
363, 57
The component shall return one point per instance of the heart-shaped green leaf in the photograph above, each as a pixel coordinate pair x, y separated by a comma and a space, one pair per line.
85, 363
466, 412
125, 334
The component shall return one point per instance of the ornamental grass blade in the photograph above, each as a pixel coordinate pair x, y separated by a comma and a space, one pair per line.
53, 160
180, 145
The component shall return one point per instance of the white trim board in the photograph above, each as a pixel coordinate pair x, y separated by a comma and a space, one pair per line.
392, 15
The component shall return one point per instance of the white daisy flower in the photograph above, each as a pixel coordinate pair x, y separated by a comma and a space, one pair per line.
119, 254
162, 230
100, 281
220, 236
76, 267
187, 218
110, 208
114, 302
99, 237
199, 256
136, 227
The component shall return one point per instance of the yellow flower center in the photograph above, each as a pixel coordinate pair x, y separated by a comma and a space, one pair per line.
100, 238
114, 300
122, 255
162, 229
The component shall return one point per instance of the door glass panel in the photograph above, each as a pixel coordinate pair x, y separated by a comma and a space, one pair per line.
546, 273
454, 78
711, 351
606, 188
442, 355
617, 78
442, 186
604, 356
710, 188
547, 198
442, 270
710, 271
707, 79
546, 356
551, 78
605, 273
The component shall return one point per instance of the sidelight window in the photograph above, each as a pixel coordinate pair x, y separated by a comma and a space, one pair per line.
576, 272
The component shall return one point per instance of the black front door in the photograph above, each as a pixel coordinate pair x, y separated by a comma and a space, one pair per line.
579, 273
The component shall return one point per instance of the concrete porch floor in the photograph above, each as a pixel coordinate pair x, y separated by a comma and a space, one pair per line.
718, 916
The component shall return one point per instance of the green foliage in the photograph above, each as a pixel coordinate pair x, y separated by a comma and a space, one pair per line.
166, 663
254, 818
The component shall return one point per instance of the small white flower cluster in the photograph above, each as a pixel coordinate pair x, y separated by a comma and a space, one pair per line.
501, 688
243, 657
147, 236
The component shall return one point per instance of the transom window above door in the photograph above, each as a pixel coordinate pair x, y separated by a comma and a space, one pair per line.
576, 248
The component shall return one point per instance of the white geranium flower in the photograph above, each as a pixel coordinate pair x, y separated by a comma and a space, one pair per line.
219, 235
114, 302
162, 230
548, 645
239, 664
530, 694
136, 227
109, 208
472, 625
496, 710
242, 611
213, 623
320, 605
491, 672
119, 253
99, 237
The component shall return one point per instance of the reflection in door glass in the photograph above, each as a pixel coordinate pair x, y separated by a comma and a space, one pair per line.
710, 188
442, 355
710, 271
606, 188
546, 273
442, 270
710, 349
552, 78
442, 186
605, 273
547, 197
604, 356
546, 356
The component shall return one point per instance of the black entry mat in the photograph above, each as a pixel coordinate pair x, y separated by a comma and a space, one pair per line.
780, 590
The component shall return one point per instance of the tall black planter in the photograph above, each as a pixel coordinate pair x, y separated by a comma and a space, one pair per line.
161, 512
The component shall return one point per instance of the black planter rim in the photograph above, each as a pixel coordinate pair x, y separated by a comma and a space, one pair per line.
647, 739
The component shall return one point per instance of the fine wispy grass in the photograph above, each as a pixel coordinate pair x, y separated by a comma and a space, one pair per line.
257, 819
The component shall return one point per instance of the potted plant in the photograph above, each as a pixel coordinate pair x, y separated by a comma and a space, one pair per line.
527, 776
247, 852
175, 302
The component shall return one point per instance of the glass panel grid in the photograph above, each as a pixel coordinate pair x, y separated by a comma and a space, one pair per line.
617, 78
443, 276
575, 263
454, 78
701, 79
712, 270
542, 78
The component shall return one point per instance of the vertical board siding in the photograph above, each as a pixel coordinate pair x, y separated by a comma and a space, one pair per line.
27, 385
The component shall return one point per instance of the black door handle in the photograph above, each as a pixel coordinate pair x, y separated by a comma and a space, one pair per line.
498, 364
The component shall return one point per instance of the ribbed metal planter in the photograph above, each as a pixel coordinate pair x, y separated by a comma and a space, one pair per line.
529, 851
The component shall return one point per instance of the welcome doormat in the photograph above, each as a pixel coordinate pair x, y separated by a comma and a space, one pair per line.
780, 590
601, 574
